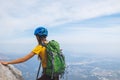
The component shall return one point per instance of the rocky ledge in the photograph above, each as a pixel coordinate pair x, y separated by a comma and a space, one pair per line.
10, 73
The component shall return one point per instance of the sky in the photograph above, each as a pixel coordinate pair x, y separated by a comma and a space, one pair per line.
80, 26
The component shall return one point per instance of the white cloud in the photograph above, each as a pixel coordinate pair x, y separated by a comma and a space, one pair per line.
91, 40
20, 45
27, 14
24, 14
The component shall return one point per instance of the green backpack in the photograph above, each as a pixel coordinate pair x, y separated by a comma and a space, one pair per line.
55, 59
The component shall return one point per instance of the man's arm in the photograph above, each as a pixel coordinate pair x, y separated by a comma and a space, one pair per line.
19, 60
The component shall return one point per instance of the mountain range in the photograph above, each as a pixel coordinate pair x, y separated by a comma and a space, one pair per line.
78, 68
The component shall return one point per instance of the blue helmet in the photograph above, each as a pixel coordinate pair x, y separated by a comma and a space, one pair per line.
41, 31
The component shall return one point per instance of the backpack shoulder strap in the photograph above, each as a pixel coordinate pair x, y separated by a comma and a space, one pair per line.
38, 71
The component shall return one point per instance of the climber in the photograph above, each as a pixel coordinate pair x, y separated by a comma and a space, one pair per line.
41, 34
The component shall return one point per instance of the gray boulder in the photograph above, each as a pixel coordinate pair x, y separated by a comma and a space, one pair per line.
10, 73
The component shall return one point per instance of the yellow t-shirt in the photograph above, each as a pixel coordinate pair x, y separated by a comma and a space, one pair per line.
40, 50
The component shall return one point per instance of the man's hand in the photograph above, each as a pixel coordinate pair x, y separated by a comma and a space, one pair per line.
4, 63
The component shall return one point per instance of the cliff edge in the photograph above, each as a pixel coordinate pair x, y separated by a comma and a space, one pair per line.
10, 73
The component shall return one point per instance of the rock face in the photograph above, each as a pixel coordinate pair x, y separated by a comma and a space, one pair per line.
10, 73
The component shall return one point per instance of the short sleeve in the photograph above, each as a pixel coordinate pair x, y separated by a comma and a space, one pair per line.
37, 49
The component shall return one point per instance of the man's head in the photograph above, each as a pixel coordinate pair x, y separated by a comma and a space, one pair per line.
41, 33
